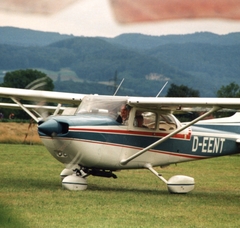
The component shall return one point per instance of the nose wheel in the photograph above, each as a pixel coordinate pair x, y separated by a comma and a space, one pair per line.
75, 179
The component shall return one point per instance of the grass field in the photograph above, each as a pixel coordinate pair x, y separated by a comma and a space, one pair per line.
31, 194
19, 133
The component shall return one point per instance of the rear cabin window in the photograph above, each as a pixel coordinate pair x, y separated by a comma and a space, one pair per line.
166, 123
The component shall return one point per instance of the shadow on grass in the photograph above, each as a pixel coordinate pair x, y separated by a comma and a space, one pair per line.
30, 183
33, 184
124, 189
9, 219
163, 191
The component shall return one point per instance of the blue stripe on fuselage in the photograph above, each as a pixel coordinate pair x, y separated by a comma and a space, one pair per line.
204, 143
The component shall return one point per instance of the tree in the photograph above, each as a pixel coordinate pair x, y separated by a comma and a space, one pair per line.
181, 91
231, 90
24, 78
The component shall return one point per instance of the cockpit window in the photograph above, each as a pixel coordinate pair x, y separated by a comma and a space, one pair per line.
106, 105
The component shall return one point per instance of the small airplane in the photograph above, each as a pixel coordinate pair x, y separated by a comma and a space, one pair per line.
104, 134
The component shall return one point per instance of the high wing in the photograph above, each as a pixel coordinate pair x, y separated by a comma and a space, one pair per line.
38, 111
165, 104
32, 107
172, 104
156, 103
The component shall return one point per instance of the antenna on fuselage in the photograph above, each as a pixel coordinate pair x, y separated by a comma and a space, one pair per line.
118, 87
162, 88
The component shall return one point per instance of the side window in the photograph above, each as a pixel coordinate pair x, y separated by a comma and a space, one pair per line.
145, 119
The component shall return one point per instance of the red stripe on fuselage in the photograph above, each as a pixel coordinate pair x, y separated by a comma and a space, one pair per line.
130, 132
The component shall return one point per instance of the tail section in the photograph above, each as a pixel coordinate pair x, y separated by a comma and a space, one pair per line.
229, 124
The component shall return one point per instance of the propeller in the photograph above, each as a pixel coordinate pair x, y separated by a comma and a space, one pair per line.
41, 111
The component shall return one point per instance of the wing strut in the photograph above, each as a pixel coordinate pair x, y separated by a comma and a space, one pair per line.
25, 109
125, 161
57, 110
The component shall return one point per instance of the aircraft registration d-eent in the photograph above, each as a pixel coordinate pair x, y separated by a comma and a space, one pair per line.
94, 139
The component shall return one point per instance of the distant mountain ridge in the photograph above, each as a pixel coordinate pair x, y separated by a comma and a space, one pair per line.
144, 42
202, 61
28, 37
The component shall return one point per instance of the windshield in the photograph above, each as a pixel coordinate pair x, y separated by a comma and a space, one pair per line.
108, 105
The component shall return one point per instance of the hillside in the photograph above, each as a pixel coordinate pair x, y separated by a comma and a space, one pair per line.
93, 60
202, 61
208, 64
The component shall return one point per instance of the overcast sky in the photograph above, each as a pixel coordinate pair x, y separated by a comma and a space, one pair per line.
95, 18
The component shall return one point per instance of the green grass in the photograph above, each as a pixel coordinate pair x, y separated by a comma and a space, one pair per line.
31, 195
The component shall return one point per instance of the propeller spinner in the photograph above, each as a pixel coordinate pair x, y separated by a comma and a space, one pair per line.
52, 128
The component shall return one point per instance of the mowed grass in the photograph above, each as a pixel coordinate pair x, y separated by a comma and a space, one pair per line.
31, 194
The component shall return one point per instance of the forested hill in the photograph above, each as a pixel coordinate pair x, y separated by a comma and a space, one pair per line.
89, 65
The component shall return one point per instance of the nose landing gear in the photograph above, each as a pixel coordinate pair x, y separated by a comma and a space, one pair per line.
73, 179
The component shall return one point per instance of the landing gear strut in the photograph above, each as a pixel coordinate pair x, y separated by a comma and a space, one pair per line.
176, 184
73, 179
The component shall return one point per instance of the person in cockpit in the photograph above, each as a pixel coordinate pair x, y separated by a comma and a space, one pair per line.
124, 113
